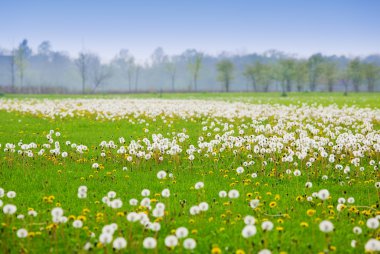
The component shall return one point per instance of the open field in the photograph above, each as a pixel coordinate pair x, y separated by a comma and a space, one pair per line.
242, 172
321, 98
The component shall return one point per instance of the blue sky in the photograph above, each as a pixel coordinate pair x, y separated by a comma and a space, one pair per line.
302, 27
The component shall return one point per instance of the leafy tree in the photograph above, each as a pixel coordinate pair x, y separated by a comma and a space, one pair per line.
194, 66
300, 74
344, 79
22, 54
225, 68
268, 74
249, 73
330, 72
258, 74
371, 74
171, 68
355, 73
315, 69
44, 48
286, 74
12, 63
158, 56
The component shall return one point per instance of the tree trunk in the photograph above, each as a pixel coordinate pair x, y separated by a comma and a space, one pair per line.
195, 82
227, 85
345, 83
266, 88
312, 86
330, 85
13, 73
371, 85
288, 85
299, 87
356, 87
83, 85
283, 88
173, 79
254, 85
137, 78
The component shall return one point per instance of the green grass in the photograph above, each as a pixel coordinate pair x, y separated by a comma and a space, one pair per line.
219, 227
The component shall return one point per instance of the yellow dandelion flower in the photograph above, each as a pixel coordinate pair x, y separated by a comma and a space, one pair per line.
216, 250
81, 217
310, 212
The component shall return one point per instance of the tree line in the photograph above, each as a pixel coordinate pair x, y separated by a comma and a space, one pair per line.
46, 70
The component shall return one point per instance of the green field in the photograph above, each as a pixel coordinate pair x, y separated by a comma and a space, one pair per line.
43, 182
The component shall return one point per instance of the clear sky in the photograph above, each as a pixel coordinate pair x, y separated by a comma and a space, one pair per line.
295, 26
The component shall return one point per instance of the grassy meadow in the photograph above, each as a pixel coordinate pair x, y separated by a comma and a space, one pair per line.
284, 158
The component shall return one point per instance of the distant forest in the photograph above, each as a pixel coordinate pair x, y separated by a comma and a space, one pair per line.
50, 71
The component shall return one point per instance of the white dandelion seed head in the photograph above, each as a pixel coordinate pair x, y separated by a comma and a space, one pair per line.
150, 243
119, 243
326, 226
171, 241
22, 233
248, 231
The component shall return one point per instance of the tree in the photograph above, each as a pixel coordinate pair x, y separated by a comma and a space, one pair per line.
355, 73
251, 72
371, 75
267, 76
138, 68
225, 68
329, 72
22, 54
315, 70
12, 63
194, 65
82, 63
44, 48
171, 68
300, 74
126, 63
100, 72
344, 77
158, 56
286, 74
258, 74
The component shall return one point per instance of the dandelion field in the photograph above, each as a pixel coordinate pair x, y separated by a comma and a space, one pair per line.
195, 175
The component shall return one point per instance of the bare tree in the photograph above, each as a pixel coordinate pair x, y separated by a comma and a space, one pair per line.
101, 73
82, 64
126, 63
